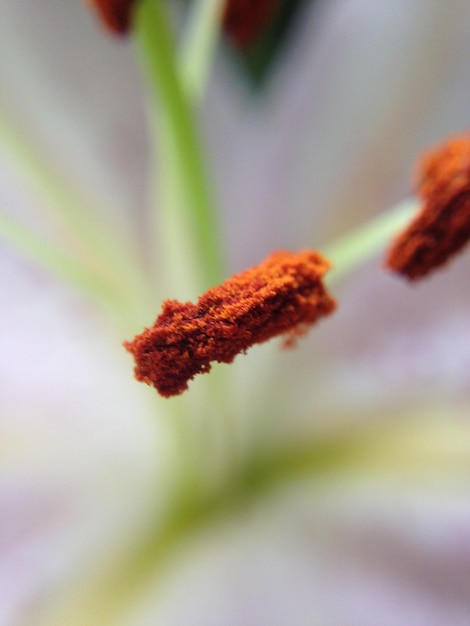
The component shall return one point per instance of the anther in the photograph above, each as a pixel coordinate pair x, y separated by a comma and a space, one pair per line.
284, 295
245, 20
442, 227
115, 14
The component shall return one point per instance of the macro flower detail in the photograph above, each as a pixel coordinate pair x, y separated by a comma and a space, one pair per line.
115, 14
281, 296
325, 484
244, 20
442, 227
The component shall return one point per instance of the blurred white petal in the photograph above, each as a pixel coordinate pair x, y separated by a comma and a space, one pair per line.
74, 427
362, 88
87, 459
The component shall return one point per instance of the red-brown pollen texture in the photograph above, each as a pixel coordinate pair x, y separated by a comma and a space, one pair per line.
115, 14
284, 295
442, 227
245, 20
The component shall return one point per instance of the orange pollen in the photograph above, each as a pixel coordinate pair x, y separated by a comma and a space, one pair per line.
245, 20
284, 295
115, 14
442, 227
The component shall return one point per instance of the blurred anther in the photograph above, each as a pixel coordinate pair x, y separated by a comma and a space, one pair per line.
115, 14
245, 20
442, 227
284, 295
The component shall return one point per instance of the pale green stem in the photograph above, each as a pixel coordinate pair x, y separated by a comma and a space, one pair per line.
187, 241
35, 169
171, 108
367, 240
102, 250
60, 263
199, 45
180, 271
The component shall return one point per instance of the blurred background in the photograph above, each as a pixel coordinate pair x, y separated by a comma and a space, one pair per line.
326, 485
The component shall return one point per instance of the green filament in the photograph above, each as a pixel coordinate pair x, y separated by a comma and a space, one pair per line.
177, 137
199, 45
368, 239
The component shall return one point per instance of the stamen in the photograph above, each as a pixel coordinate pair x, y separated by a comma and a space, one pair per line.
115, 14
284, 295
442, 227
244, 20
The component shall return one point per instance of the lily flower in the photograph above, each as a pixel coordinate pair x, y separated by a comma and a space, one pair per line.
324, 484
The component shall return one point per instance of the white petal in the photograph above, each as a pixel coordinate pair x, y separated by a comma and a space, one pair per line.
362, 554
82, 452
362, 88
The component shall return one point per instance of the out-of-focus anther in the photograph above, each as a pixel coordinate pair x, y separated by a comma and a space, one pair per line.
442, 227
